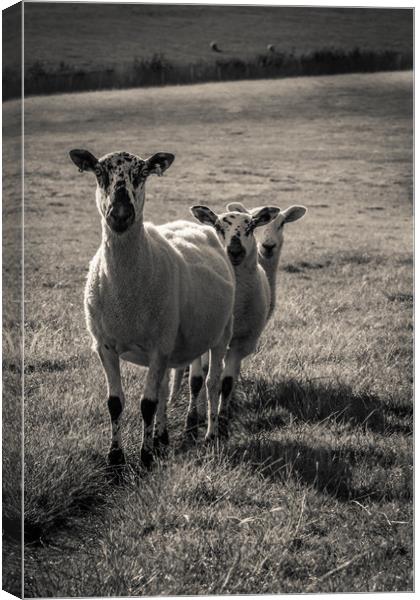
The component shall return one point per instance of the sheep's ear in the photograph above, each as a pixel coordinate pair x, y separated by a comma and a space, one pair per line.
236, 206
84, 160
264, 216
204, 214
293, 213
158, 163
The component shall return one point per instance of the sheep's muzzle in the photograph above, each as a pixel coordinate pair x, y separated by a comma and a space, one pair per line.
267, 250
236, 252
120, 216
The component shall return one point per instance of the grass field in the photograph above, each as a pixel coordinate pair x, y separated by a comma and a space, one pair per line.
184, 33
313, 491
76, 47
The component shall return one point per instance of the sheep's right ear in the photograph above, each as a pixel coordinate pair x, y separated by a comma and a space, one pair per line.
204, 214
236, 206
84, 160
293, 213
159, 162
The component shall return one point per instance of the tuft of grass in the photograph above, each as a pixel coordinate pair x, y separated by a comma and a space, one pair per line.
225, 531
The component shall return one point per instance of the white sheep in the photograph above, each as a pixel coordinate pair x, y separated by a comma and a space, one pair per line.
252, 296
270, 241
155, 296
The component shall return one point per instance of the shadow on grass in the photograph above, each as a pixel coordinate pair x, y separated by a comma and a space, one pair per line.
50, 366
338, 259
265, 408
270, 406
311, 401
328, 470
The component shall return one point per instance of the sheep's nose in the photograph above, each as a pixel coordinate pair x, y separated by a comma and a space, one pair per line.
268, 249
236, 251
120, 216
235, 246
269, 246
120, 210
121, 195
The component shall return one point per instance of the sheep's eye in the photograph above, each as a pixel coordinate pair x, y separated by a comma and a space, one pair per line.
102, 177
280, 226
218, 227
137, 175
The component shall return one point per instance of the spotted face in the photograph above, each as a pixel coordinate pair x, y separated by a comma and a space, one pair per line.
236, 229
121, 178
270, 237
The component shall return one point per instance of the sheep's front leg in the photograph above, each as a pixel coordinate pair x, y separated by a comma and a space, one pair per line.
161, 439
229, 379
149, 404
196, 380
116, 402
217, 354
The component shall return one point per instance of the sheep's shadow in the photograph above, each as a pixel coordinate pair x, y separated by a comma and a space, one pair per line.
271, 404
265, 407
330, 471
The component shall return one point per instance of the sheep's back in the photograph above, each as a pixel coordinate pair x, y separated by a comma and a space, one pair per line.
199, 246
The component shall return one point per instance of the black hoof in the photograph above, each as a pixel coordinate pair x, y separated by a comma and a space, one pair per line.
161, 443
146, 457
210, 440
116, 457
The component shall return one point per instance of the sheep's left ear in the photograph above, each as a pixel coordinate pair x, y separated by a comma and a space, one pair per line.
83, 159
204, 214
264, 216
293, 213
158, 163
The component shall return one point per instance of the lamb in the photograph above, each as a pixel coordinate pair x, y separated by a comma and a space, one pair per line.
155, 296
270, 241
252, 300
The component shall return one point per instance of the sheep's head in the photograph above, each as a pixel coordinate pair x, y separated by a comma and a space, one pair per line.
121, 178
270, 237
236, 229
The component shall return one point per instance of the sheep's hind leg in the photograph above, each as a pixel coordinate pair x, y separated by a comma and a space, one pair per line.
116, 401
202, 396
229, 380
177, 377
196, 380
149, 405
161, 438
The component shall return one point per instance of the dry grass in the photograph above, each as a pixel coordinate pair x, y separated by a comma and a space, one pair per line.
313, 491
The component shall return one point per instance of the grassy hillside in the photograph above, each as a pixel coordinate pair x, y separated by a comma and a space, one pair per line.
76, 47
82, 35
313, 491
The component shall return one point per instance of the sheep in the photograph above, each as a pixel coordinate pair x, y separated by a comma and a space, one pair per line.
215, 47
155, 296
252, 299
269, 244
270, 241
